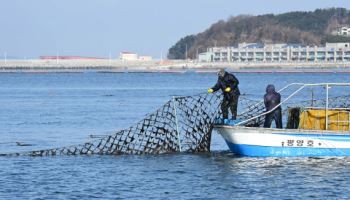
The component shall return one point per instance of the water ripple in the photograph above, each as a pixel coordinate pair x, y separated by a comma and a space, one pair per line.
51, 110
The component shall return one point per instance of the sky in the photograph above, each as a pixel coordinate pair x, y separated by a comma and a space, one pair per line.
99, 28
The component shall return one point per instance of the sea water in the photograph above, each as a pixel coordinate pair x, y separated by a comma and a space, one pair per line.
59, 109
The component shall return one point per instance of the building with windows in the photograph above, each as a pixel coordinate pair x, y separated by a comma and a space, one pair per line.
343, 31
255, 52
128, 56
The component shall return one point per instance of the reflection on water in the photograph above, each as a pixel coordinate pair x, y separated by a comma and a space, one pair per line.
214, 175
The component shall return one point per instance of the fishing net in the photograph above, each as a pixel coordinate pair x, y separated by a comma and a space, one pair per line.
183, 124
251, 109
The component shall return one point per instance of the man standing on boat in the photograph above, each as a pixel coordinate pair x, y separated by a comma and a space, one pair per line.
228, 83
271, 100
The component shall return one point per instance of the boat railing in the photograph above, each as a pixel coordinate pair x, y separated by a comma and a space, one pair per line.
301, 87
262, 101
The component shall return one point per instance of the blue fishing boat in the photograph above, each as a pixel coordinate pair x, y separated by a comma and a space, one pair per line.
314, 127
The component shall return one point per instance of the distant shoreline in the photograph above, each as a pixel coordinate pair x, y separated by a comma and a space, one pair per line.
179, 72
168, 66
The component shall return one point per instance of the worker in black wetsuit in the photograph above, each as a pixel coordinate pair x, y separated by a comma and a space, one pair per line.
228, 83
271, 100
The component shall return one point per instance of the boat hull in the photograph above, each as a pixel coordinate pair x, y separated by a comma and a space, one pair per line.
261, 142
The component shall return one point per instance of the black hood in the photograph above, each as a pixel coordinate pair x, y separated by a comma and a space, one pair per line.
270, 89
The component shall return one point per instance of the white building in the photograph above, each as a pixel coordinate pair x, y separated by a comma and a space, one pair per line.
255, 52
344, 31
205, 57
128, 56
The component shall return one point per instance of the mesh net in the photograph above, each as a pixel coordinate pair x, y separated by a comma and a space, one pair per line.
183, 124
251, 109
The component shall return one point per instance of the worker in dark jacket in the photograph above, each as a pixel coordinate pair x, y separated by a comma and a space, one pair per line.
271, 100
228, 83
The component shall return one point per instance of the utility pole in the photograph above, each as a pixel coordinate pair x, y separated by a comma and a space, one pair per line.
186, 52
56, 57
110, 57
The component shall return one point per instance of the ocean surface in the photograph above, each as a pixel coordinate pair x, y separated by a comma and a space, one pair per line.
45, 110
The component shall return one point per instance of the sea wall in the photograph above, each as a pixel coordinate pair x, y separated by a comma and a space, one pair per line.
106, 65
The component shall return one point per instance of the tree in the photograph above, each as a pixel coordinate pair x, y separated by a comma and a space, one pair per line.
308, 28
180, 49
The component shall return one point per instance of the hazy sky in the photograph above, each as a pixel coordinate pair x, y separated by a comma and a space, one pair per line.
30, 28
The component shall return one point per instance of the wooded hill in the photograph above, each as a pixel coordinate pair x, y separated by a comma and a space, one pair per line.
307, 28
